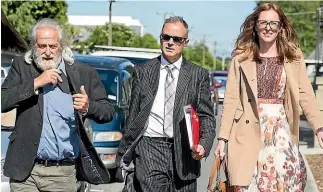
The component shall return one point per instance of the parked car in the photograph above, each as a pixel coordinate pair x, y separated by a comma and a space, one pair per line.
214, 94
4, 73
5, 132
115, 74
220, 77
6, 60
134, 55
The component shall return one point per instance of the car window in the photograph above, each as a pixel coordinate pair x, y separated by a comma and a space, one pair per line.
110, 81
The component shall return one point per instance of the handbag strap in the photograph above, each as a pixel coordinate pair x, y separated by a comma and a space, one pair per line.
216, 170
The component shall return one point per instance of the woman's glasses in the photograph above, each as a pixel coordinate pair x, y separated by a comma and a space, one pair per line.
274, 25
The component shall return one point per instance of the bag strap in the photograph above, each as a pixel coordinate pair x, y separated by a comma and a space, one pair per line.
215, 168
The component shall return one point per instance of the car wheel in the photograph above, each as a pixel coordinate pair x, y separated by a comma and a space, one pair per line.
116, 175
85, 187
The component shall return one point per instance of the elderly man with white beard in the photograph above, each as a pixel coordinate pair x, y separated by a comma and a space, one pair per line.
53, 94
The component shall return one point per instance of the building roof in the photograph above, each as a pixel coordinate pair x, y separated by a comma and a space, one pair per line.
10, 38
317, 53
94, 20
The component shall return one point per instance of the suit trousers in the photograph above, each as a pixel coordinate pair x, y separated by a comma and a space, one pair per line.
52, 178
155, 168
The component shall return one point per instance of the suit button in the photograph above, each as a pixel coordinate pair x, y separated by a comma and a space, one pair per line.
249, 100
36, 143
247, 121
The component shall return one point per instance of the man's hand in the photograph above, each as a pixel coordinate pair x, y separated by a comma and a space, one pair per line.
320, 138
49, 76
81, 101
198, 152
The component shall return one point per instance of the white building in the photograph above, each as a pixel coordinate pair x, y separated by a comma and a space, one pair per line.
83, 21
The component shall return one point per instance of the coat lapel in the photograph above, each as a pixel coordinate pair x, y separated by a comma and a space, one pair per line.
183, 80
290, 78
150, 83
73, 77
35, 72
249, 69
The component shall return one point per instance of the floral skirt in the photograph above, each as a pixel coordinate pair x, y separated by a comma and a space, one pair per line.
280, 166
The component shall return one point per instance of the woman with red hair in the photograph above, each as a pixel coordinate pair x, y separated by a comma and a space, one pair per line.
266, 84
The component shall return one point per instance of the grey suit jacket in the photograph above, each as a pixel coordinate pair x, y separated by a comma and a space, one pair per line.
192, 88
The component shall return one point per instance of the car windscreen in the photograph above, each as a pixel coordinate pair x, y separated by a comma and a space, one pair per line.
222, 80
110, 81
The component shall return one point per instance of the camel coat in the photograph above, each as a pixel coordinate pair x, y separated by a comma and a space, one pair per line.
240, 119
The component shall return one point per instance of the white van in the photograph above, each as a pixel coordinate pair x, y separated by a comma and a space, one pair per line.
134, 55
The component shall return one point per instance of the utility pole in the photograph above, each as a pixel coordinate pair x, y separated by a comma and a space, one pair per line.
203, 59
110, 22
223, 62
214, 56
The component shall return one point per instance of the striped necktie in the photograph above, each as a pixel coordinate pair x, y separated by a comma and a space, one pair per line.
170, 90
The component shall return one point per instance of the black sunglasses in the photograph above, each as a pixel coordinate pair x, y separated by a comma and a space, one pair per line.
177, 40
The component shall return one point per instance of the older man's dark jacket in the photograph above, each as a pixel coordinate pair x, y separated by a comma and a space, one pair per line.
17, 91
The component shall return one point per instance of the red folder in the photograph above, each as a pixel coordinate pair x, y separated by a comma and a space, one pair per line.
192, 126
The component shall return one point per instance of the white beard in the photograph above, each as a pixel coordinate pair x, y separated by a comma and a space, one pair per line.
46, 65
66, 54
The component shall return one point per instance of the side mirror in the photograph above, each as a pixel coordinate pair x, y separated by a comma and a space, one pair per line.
217, 85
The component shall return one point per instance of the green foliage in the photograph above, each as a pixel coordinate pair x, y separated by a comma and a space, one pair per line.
194, 53
122, 36
304, 23
23, 14
147, 41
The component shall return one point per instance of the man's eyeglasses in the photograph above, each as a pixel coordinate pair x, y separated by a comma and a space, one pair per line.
274, 25
177, 40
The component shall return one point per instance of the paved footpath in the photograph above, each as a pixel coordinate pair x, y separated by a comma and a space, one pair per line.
311, 184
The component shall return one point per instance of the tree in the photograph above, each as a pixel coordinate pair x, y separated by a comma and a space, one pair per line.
302, 15
194, 53
23, 14
147, 41
122, 36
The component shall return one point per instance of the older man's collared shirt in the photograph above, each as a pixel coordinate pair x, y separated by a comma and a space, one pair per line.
59, 139
156, 117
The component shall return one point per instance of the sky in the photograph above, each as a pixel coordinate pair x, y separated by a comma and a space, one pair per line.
218, 21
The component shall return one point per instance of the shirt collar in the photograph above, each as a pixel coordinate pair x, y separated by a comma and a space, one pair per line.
177, 63
61, 66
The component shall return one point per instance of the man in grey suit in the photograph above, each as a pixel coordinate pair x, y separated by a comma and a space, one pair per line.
161, 87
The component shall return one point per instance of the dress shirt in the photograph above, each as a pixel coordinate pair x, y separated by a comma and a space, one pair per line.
156, 116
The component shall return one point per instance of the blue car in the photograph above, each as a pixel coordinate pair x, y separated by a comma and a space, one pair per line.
115, 74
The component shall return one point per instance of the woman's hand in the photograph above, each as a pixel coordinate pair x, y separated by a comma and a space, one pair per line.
319, 135
219, 150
